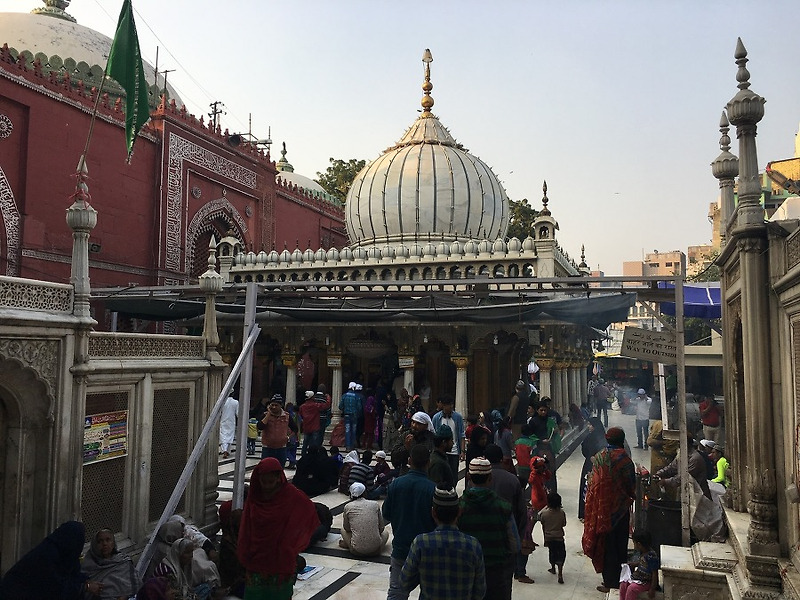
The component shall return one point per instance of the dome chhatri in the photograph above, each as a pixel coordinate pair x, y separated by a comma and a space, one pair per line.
425, 186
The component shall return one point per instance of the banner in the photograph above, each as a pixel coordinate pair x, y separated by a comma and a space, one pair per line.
105, 436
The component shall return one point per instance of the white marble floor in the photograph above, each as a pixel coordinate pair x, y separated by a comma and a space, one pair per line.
344, 577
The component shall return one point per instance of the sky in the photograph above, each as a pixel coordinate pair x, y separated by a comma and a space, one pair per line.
616, 104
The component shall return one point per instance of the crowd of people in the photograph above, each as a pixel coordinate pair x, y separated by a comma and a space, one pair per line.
472, 546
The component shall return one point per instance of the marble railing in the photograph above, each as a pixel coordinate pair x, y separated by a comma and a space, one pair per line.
30, 294
135, 345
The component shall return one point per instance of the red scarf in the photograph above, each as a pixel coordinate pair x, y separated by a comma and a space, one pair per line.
275, 530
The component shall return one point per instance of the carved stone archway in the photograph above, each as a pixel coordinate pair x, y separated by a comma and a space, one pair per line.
26, 406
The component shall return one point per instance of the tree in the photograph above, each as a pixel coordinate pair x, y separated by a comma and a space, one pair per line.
520, 222
337, 178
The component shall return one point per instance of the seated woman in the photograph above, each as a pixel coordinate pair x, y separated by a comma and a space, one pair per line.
104, 564
190, 570
169, 532
316, 472
51, 570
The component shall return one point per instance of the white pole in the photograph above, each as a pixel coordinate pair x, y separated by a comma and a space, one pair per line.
681, 368
245, 383
194, 457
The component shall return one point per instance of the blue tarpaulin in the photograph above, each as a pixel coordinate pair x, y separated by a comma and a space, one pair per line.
700, 300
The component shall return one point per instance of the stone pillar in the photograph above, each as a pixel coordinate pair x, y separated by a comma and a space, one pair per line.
335, 363
290, 362
81, 218
583, 383
545, 376
211, 283
462, 401
745, 110
407, 364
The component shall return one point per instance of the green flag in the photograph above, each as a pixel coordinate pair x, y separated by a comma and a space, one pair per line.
125, 66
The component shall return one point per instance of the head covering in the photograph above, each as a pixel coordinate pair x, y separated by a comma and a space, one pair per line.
357, 489
708, 444
115, 572
359, 387
719, 448
154, 588
641, 392
277, 398
444, 432
380, 454
274, 530
351, 457
496, 416
520, 385
352, 385
309, 394
422, 417
445, 497
49, 568
480, 466
615, 436
183, 575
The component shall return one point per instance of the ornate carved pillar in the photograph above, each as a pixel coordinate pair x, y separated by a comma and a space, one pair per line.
583, 384
290, 362
462, 401
545, 376
335, 364
407, 364
561, 385
745, 110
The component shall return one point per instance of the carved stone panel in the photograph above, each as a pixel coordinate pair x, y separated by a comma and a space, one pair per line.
39, 355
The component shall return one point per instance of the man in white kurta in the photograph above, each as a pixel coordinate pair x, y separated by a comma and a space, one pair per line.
227, 425
363, 528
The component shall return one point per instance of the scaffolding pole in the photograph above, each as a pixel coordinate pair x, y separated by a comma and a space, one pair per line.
199, 447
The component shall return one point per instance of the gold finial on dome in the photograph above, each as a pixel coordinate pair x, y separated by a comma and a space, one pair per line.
427, 86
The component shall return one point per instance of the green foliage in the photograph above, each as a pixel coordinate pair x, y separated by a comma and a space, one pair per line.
520, 223
711, 273
337, 178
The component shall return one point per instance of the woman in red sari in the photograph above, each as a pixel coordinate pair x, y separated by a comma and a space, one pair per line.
277, 523
609, 495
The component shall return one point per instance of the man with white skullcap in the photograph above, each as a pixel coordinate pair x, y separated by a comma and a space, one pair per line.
363, 528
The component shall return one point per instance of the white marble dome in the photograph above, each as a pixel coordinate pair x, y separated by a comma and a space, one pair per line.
427, 186
57, 36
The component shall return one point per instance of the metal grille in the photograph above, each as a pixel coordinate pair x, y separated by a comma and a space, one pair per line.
103, 486
170, 447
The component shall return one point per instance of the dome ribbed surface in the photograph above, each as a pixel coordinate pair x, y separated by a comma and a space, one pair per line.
426, 186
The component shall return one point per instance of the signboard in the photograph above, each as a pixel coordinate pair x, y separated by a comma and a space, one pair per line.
105, 436
647, 344
334, 361
405, 362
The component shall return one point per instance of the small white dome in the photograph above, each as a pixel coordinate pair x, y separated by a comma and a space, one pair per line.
500, 246
514, 245
528, 244
333, 255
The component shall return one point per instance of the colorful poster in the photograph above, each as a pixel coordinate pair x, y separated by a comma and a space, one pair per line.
105, 436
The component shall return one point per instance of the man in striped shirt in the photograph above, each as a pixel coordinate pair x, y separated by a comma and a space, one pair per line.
446, 563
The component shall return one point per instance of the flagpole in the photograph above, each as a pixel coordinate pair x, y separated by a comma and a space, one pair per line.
82, 161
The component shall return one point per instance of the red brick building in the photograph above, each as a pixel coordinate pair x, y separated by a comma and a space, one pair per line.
185, 183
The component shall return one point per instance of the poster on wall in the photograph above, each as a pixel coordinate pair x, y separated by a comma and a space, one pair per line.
105, 435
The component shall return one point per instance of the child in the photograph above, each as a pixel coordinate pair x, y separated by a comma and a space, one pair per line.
539, 474
554, 519
252, 435
336, 455
381, 466
643, 569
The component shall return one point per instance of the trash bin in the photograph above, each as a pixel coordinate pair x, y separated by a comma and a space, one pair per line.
664, 523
